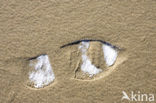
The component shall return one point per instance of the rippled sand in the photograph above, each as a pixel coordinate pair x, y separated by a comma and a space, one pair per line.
32, 28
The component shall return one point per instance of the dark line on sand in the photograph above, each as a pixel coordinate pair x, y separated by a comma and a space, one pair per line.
88, 40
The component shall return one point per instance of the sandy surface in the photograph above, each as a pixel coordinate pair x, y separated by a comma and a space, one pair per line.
29, 28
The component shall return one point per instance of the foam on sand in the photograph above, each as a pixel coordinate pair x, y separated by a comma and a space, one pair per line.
42, 74
110, 54
87, 66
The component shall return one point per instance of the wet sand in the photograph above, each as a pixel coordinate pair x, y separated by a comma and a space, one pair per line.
31, 28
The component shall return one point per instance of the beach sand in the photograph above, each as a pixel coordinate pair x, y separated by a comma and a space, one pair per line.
29, 28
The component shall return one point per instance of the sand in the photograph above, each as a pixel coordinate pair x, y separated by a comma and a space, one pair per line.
29, 28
